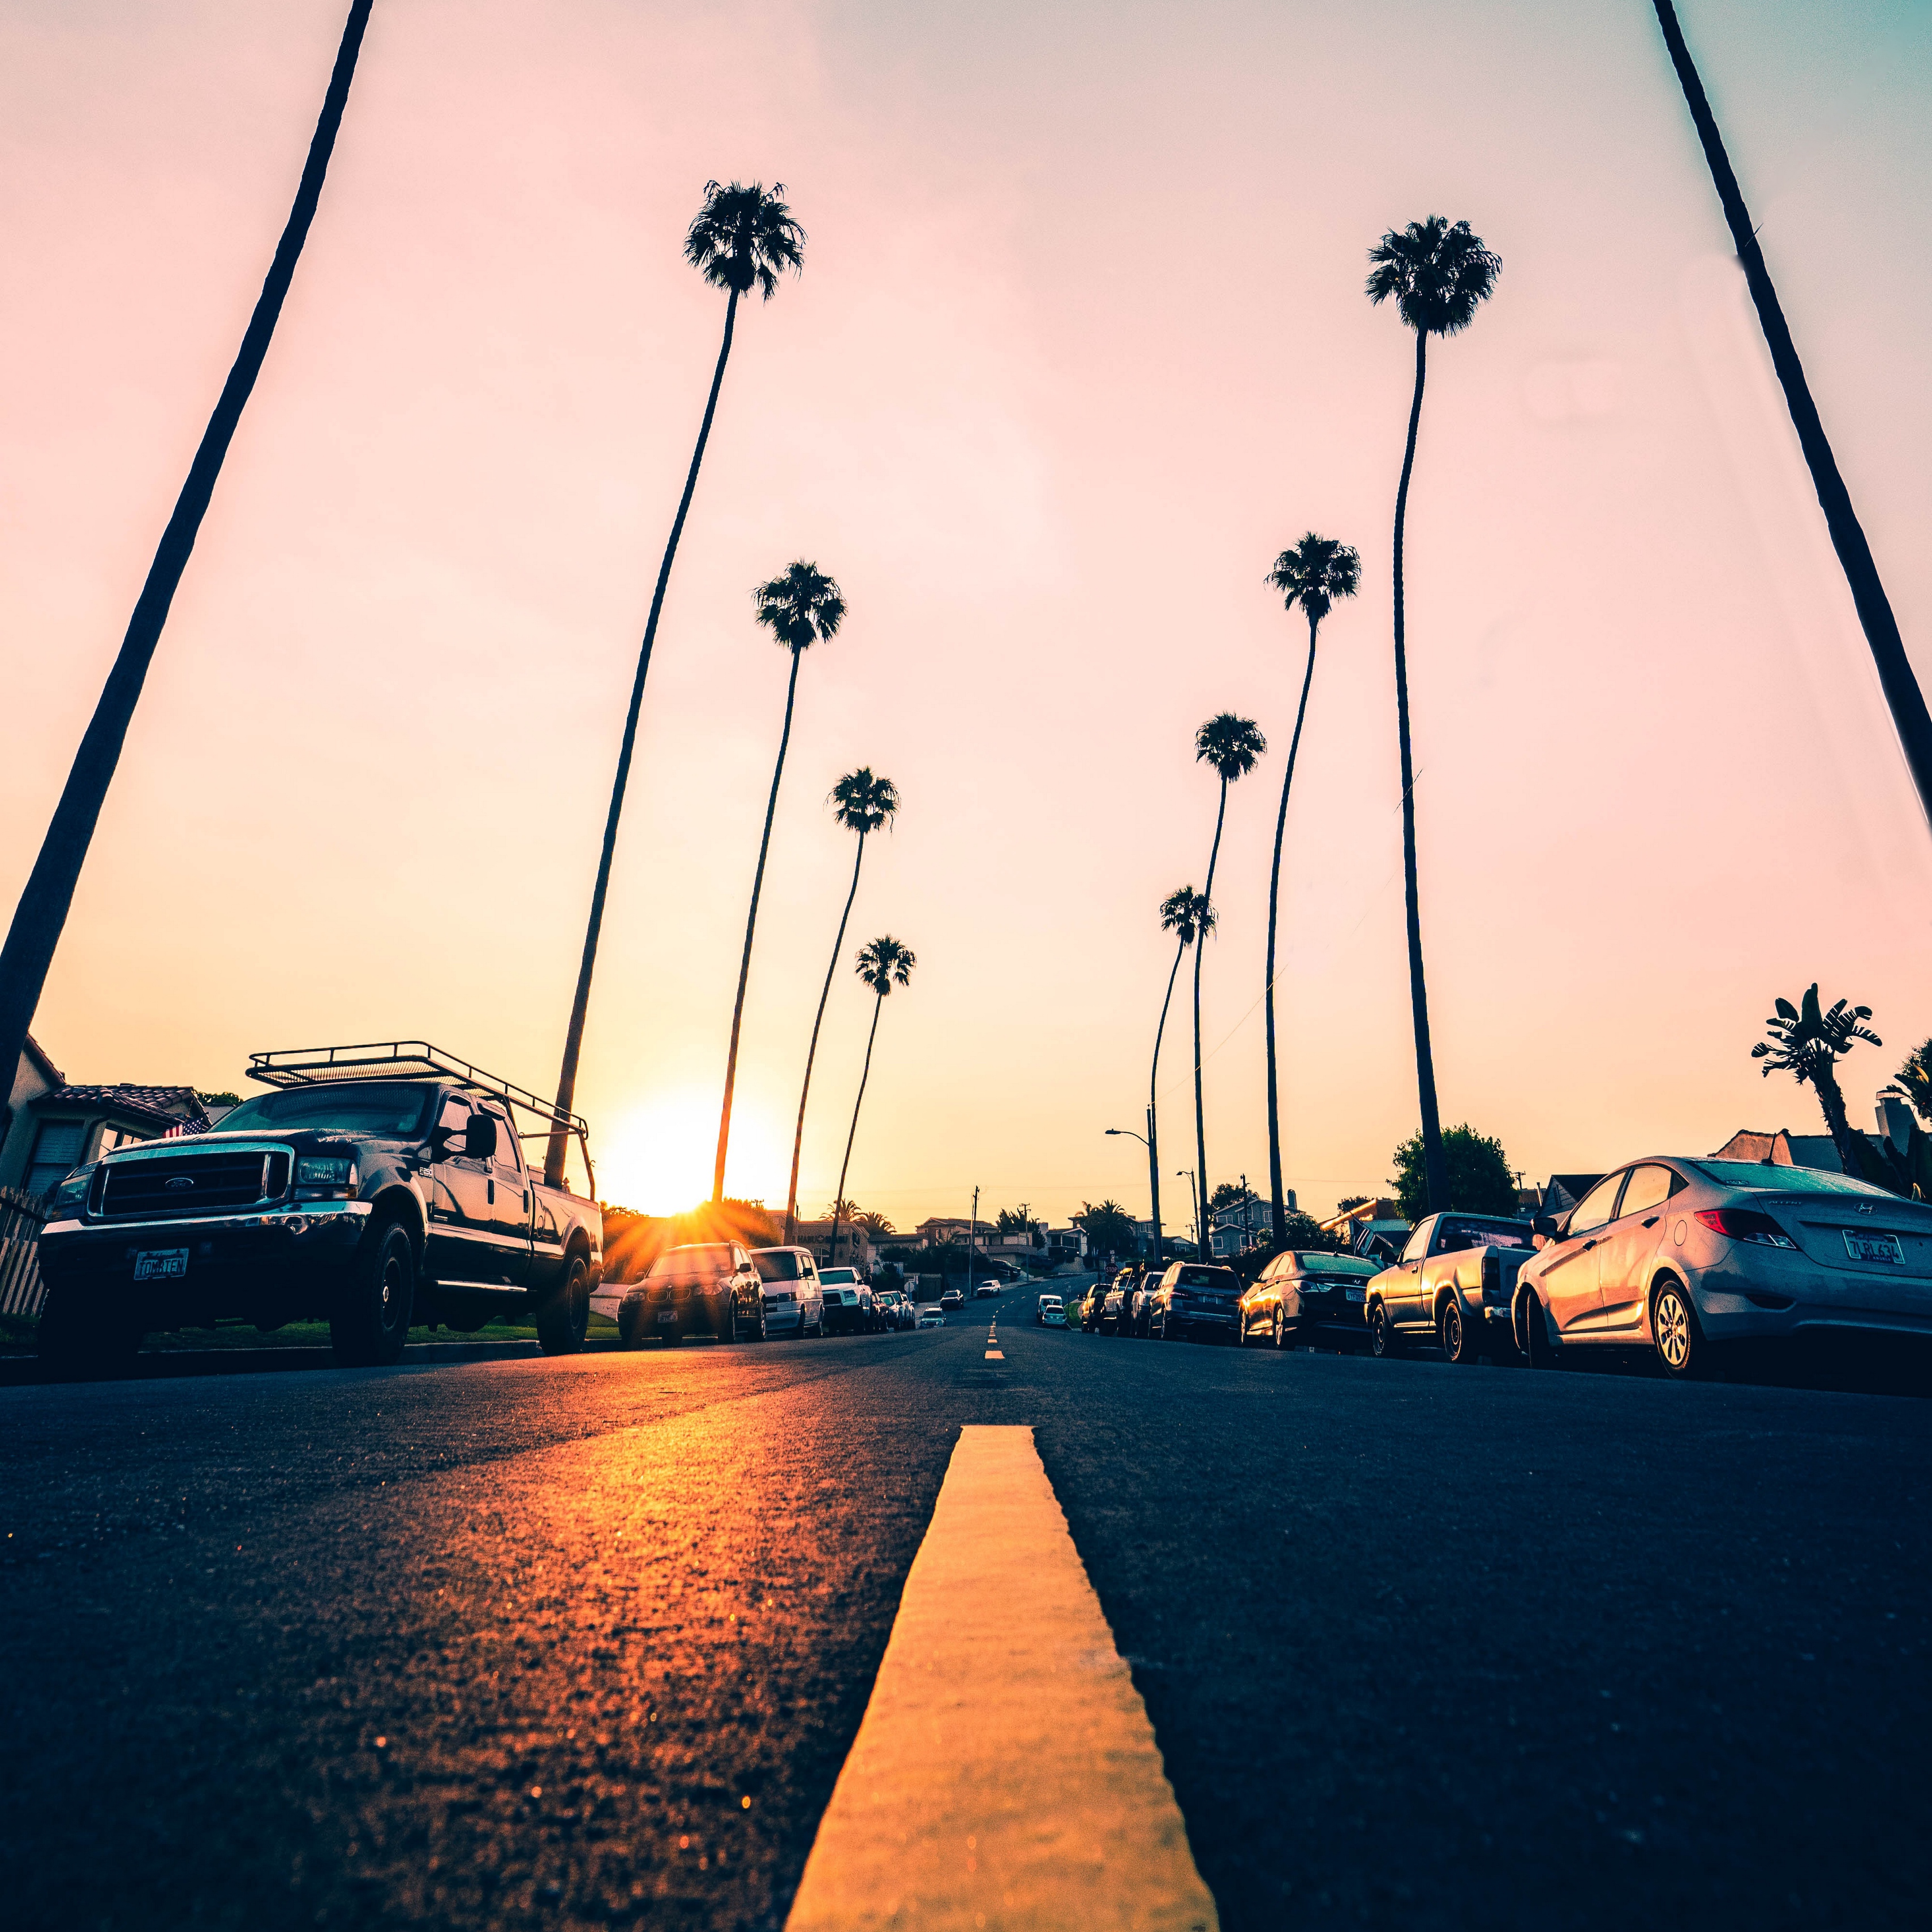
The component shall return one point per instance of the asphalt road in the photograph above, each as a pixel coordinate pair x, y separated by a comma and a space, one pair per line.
583, 1643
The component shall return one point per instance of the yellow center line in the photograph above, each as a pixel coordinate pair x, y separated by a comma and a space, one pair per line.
1005, 1778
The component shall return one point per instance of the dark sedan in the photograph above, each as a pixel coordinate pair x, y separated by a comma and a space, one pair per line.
707, 1288
1303, 1293
1194, 1298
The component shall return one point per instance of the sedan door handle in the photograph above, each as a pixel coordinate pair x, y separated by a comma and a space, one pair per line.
1653, 1221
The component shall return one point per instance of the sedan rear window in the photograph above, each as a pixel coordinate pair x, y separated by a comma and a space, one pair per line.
1207, 1277
1785, 1179
1328, 1264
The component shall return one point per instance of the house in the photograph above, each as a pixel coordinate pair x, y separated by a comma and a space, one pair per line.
944, 1231
855, 1245
53, 1126
1562, 1194
1238, 1226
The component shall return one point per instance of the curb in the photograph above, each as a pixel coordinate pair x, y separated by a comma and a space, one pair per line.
160, 1365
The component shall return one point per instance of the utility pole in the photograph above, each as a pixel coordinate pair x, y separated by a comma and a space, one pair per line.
1153, 1183
972, 1244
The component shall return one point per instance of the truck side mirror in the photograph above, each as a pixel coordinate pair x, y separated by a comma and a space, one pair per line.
479, 1137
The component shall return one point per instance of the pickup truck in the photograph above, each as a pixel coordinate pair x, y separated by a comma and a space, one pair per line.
373, 1187
1452, 1285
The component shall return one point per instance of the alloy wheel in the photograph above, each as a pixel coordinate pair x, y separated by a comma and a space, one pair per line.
1672, 1324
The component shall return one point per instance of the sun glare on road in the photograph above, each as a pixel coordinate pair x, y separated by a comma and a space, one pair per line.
656, 1156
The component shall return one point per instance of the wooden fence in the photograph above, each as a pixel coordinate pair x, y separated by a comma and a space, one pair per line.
22, 1218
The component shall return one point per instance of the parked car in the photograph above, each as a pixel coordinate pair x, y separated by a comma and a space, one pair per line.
953, 1298
848, 1302
794, 1303
394, 1194
1303, 1292
894, 1309
1195, 1298
1053, 1315
930, 1317
702, 1288
1686, 1257
1091, 1304
1453, 1284
1046, 1302
1117, 1304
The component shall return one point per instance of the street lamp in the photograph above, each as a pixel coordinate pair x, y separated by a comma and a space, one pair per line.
1196, 1192
1147, 1141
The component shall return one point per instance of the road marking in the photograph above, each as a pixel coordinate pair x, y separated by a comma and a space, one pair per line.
996, 1354
1005, 1776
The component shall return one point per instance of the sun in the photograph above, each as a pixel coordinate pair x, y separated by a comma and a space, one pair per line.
657, 1155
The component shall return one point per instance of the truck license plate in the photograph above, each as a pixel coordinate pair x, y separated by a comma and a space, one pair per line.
160, 1263
1874, 1248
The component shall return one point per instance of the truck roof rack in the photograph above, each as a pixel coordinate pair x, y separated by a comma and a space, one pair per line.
413, 1060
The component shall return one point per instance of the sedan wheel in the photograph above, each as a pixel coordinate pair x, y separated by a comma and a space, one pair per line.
1241, 1330
1538, 1351
1680, 1346
1280, 1330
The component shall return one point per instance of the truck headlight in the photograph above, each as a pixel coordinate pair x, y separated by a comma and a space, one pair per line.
70, 1196
324, 1170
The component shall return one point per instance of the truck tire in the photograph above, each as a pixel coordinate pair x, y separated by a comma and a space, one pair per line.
70, 1341
1384, 1339
562, 1319
370, 1321
1453, 1332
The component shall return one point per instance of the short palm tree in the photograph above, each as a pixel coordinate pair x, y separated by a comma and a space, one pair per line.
801, 607
1807, 1044
1316, 573
862, 803
1188, 915
1437, 273
1231, 745
882, 964
1913, 1082
41, 916
742, 238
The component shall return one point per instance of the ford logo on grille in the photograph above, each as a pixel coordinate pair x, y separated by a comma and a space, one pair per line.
181, 1180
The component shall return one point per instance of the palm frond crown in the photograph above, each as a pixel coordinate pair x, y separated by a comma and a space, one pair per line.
883, 963
863, 803
1316, 573
1913, 1084
1186, 914
801, 606
1807, 1039
1437, 271
745, 237
1231, 744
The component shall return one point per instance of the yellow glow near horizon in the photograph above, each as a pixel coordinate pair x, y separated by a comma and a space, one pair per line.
657, 1155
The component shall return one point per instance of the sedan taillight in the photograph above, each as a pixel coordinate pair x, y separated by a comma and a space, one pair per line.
1746, 1224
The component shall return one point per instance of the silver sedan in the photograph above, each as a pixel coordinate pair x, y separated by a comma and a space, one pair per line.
1684, 1256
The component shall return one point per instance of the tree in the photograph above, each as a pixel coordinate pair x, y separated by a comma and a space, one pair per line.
1015, 1220
41, 916
1807, 1044
1913, 1084
1348, 1201
1230, 745
800, 607
1902, 693
862, 803
1480, 1181
873, 1221
1314, 574
1438, 273
741, 238
1303, 1231
882, 964
224, 1099
1187, 915
1232, 1194
1109, 1228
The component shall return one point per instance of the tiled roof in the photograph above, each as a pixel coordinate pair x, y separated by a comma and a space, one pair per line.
162, 1105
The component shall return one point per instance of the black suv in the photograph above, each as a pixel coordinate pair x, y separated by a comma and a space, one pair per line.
1193, 1297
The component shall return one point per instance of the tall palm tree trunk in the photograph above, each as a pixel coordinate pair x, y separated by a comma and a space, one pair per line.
41, 914
573, 1044
750, 927
1279, 1207
1153, 1081
1902, 692
839, 1199
1201, 1230
811, 1051
1844, 1136
1435, 1168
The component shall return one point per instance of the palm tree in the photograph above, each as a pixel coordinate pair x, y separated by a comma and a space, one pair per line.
881, 964
742, 238
1438, 273
801, 606
1231, 744
1315, 573
1807, 1044
861, 803
1188, 915
41, 916
1909, 714
1913, 1083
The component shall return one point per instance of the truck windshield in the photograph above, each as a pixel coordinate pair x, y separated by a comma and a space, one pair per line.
390, 1107
702, 1258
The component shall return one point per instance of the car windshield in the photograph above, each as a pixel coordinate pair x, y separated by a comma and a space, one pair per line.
1322, 1264
1458, 1231
778, 1264
702, 1257
1763, 1173
391, 1107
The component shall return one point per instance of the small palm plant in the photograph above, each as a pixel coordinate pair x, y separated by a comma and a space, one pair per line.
1188, 915
742, 238
882, 964
1231, 745
862, 803
1437, 273
1807, 1043
1913, 1082
801, 607
1316, 574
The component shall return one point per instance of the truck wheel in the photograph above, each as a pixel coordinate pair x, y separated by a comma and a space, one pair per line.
563, 1319
69, 1340
1384, 1341
1459, 1346
370, 1321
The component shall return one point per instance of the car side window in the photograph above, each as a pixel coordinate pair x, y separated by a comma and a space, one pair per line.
1598, 1206
1648, 1187
1418, 1242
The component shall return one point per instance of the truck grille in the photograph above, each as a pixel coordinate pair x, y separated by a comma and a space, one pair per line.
145, 1189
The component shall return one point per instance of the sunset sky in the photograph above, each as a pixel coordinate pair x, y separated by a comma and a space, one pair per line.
1079, 345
